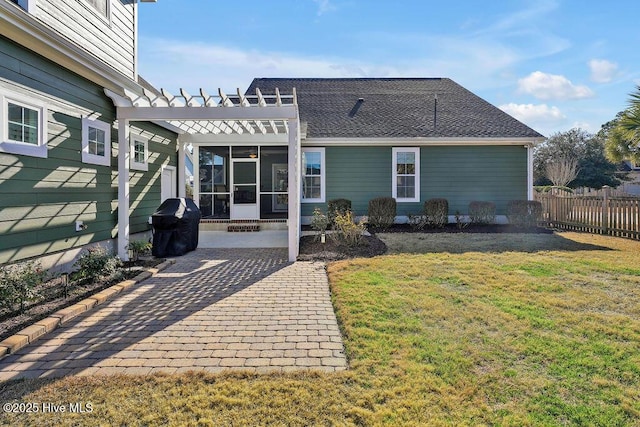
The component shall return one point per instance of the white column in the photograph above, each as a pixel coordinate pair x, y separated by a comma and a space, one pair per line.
530, 172
294, 188
123, 188
181, 170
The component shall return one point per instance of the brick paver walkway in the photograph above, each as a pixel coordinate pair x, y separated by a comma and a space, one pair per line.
215, 309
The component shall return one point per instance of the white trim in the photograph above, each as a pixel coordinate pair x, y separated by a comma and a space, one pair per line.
28, 5
172, 191
398, 142
18, 147
323, 174
394, 174
90, 158
93, 10
139, 166
529, 172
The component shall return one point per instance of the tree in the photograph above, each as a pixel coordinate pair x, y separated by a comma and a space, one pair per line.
594, 169
562, 171
622, 134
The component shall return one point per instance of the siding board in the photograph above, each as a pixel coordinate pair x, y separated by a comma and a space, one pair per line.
460, 174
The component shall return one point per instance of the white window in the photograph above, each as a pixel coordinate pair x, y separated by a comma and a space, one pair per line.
101, 6
139, 153
23, 127
28, 5
406, 174
96, 142
313, 175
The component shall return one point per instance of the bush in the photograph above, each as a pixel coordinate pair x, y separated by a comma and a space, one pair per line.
382, 212
96, 262
337, 207
319, 222
18, 284
436, 212
417, 222
482, 212
139, 247
524, 213
347, 230
461, 222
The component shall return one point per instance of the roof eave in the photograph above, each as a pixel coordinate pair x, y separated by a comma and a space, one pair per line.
424, 141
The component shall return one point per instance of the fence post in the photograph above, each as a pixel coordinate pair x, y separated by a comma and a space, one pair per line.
605, 209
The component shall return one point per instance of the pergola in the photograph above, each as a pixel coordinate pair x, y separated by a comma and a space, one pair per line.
204, 118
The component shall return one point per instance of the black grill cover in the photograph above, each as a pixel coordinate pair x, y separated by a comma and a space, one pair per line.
175, 227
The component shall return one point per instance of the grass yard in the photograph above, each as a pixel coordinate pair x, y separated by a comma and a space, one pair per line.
453, 329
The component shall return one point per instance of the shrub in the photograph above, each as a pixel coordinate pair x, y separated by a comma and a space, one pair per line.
460, 221
18, 284
524, 213
139, 247
96, 262
382, 212
337, 207
482, 212
347, 230
436, 212
319, 222
417, 222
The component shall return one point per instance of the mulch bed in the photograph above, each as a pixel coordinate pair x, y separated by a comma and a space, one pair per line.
471, 228
14, 322
312, 250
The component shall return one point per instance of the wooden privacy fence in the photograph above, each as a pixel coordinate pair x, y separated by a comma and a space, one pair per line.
615, 216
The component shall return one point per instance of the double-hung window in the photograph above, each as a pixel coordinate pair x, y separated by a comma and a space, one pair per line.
96, 142
406, 174
139, 153
313, 175
23, 127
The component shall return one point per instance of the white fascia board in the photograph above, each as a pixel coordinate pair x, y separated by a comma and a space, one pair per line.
24, 29
400, 142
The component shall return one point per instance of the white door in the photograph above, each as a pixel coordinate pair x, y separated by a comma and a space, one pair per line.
244, 197
168, 183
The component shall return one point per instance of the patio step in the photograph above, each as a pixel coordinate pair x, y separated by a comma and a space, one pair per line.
243, 228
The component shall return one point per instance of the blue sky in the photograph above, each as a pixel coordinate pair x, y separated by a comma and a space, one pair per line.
552, 64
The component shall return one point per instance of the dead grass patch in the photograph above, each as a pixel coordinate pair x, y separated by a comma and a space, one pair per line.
486, 336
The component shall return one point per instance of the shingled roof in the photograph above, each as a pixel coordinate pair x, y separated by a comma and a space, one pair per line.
394, 108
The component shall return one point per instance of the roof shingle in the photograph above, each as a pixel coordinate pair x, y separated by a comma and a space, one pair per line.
394, 108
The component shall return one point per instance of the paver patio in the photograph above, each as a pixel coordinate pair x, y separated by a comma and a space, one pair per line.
214, 309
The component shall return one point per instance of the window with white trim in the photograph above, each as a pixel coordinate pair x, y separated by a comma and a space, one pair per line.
313, 175
96, 142
23, 127
406, 174
139, 153
101, 6
28, 5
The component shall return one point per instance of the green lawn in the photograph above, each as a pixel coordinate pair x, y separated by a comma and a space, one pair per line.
454, 330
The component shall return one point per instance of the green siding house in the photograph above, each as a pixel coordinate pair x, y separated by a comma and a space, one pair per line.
88, 149
59, 143
409, 138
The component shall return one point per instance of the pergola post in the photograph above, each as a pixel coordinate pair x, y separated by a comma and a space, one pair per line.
294, 188
123, 188
182, 184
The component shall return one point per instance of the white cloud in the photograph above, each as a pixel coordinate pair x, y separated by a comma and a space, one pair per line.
552, 86
602, 71
324, 6
541, 117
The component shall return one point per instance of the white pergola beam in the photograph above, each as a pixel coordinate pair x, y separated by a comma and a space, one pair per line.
206, 113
